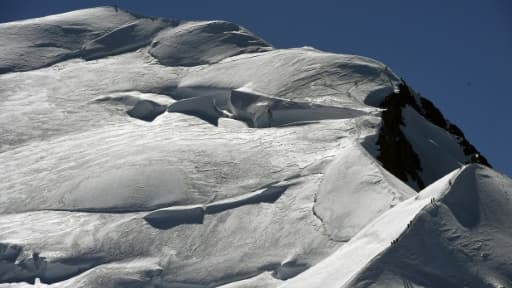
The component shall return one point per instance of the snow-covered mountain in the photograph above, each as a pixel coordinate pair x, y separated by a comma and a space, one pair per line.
146, 152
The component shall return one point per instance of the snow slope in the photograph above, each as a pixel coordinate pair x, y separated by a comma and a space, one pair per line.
37, 43
146, 152
452, 234
469, 239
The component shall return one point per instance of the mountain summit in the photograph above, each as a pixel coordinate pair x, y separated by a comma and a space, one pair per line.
147, 152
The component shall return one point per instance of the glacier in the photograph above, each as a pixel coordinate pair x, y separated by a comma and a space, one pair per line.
145, 152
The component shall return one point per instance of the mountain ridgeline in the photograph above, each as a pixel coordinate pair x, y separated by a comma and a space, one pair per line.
397, 155
146, 152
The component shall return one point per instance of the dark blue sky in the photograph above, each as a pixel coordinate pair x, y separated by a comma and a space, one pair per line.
456, 53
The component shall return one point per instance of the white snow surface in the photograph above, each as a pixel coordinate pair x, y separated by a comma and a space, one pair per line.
450, 228
146, 152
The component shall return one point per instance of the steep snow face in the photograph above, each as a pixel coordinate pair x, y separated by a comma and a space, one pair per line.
432, 140
452, 234
234, 163
355, 190
461, 239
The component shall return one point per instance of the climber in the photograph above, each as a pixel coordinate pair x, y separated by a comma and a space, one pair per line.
475, 158
269, 112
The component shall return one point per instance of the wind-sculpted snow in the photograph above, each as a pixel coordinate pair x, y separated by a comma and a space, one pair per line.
131, 187
125, 38
167, 218
259, 111
146, 110
37, 43
145, 152
197, 43
35, 266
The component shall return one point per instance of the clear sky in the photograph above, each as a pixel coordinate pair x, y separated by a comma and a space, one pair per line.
456, 52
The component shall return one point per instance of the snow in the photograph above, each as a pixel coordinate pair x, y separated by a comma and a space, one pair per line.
40, 42
263, 280
355, 191
458, 251
438, 151
130, 187
267, 195
125, 38
432, 237
197, 43
146, 110
167, 218
372, 240
204, 108
148, 152
170, 217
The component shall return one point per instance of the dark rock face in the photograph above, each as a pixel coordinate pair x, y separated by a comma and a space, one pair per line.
396, 153
432, 114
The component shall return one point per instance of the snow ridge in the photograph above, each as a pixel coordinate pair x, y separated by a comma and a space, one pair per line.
145, 152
